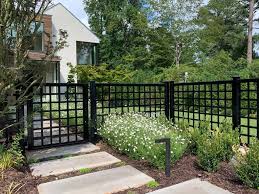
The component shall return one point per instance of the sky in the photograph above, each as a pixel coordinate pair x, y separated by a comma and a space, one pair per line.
77, 8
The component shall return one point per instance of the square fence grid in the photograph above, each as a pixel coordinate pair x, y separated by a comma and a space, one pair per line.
235, 101
58, 115
204, 101
249, 108
123, 98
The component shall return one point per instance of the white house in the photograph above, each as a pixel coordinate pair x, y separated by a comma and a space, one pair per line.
81, 42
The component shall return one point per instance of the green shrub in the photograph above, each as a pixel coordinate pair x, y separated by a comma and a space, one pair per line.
247, 167
16, 150
103, 73
11, 157
228, 138
135, 135
209, 153
215, 146
194, 135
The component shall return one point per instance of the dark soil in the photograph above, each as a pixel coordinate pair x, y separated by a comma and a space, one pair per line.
21, 178
185, 169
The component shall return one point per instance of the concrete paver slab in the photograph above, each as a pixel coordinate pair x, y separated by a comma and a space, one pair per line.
194, 186
102, 182
36, 155
70, 164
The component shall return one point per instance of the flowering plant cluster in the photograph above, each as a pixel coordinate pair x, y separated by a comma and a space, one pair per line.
134, 134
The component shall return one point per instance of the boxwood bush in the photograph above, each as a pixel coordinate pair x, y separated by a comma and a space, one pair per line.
247, 167
214, 146
135, 134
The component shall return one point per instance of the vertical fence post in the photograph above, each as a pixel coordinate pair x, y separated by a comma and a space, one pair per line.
236, 97
167, 100
171, 95
29, 115
93, 98
85, 112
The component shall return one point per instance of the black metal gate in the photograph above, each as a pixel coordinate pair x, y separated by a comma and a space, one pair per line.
58, 115
63, 114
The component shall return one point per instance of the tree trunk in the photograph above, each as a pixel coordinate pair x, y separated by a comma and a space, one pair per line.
250, 32
178, 52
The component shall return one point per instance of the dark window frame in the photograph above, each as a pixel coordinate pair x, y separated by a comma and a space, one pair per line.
94, 53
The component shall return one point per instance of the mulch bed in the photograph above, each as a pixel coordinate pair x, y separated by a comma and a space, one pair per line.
21, 176
185, 169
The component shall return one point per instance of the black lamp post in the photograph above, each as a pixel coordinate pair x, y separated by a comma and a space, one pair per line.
167, 154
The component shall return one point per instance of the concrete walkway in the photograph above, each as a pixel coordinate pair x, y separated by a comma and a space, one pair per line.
36, 155
78, 157
102, 182
194, 186
71, 164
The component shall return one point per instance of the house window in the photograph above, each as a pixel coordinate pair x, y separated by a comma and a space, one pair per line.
38, 39
33, 44
86, 53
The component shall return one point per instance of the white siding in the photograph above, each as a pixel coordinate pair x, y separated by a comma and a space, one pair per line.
77, 31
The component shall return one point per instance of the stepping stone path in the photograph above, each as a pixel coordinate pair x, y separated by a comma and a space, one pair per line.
70, 164
38, 155
194, 186
102, 182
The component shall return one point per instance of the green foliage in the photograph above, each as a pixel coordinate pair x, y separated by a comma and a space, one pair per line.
7, 160
135, 135
212, 147
12, 157
16, 149
229, 138
219, 67
85, 170
122, 27
103, 73
147, 40
247, 168
223, 27
195, 134
152, 184
208, 153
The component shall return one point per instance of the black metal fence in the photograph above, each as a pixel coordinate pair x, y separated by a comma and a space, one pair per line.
236, 101
122, 98
58, 115
71, 113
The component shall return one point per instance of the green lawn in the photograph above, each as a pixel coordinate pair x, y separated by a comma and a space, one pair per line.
245, 122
